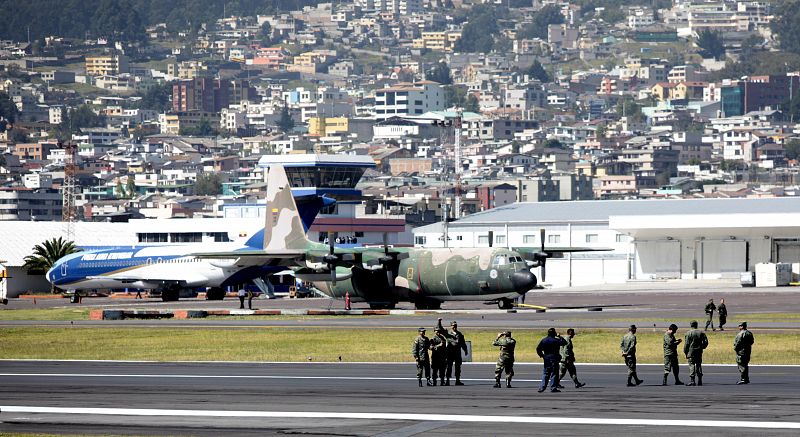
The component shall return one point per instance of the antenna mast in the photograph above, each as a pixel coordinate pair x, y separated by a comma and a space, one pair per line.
457, 140
68, 212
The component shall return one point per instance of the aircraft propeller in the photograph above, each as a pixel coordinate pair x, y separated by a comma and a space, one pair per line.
389, 260
540, 257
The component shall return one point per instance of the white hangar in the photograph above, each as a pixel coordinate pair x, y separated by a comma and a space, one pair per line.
650, 239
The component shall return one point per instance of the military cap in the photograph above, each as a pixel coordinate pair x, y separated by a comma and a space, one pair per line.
743, 324
632, 327
453, 323
421, 330
507, 333
693, 324
673, 327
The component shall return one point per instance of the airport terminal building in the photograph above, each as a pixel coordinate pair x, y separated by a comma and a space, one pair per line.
649, 239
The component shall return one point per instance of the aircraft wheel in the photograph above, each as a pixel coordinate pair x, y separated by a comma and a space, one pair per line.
5, 301
430, 305
215, 293
170, 295
505, 304
382, 306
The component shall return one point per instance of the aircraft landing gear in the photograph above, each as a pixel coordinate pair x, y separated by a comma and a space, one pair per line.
171, 294
381, 305
428, 305
215, 293
505, 304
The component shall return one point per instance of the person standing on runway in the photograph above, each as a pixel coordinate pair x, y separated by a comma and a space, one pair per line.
628, 348
548, 349
743, 345
671, 354
694, 343
568, 361
455, 344
419, 349
709, 309
722, 312
438, 355
505, 362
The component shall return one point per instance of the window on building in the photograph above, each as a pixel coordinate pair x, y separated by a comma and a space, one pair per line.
459, 237
483, 239
591, 238
621, 238
500, 239
554, 238
529, 239
420, 240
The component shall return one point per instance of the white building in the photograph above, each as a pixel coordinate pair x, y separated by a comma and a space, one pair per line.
408, 99
649, 239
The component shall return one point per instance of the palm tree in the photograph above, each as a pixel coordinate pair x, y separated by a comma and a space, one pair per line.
46, 254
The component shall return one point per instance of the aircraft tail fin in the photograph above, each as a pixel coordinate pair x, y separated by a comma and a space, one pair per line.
283, 227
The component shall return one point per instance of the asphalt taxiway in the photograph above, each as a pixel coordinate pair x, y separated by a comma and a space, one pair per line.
382, 399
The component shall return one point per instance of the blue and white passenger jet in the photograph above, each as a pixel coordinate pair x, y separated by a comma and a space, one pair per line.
170, 268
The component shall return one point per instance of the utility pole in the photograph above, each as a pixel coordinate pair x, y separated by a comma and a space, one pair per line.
457, 140
68, 212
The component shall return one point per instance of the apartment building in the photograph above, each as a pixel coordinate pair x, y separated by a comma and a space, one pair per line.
107, 65
408, 99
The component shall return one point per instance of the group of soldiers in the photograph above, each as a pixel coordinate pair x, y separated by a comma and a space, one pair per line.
722, 310
694, 343
445, 354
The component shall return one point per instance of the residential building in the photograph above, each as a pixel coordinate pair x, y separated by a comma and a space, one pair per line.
107, 65
408, 99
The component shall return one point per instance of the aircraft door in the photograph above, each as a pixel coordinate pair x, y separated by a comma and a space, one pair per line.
64, 269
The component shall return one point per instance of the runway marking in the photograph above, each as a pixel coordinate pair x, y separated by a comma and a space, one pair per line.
401, 416
133, 375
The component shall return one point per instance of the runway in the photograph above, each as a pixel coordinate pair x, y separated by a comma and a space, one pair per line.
145, 398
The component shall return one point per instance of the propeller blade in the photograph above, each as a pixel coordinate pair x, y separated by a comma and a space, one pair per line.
491, 238
541, 239
333, 274
386, 243
330, 242
390, 277
543, 260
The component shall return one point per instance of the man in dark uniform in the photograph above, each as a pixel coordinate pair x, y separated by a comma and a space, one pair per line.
506, 359
548, 349
671, 354
709, 309
438, 355
743, 345
722, 311
628, 348
694, 343
455, 344
419, 349
568, 361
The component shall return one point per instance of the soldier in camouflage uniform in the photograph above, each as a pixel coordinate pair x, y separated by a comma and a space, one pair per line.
419, 349
694, 343
709, 309
722, 311
438, 355
455, 344
671, 354
743, 344
568, 361
628, 348
506, 359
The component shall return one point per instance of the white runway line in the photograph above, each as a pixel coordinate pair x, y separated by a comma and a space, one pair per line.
131, 375
401, 416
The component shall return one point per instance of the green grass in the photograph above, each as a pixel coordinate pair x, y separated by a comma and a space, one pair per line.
48, 314
684, 322
328, 344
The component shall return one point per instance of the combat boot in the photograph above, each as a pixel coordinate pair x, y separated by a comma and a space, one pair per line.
636, 378
665, 379
448, 382
699, 379
678, 381
630, 384
691, 382
441, 382
429, 382
497, 383
458, 382
579, 384
508, 382
434, 382
420, 381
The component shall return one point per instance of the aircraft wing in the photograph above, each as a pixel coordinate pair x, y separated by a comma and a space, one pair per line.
564, 249
253, 256
185, 279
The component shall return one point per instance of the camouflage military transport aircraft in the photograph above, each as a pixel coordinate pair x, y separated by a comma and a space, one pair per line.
384, 276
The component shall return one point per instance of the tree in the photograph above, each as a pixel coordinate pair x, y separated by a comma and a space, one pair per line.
130, 187
8, 111
546, 16
792, 149
120, 190
601, 131
203, 129
786, 25
552, 143
286, 122
46, 254
157, 97
74, 120
477, 36
208, 184
455, 95
472, 104
440, 73
265, 34
537, 71
711, 44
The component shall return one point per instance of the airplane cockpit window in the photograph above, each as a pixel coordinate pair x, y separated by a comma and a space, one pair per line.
500, 260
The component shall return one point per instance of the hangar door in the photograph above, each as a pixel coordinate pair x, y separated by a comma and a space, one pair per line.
722, 259
658, 259
787, 250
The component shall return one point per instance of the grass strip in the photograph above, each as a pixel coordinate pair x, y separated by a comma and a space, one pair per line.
328, 344
46, 314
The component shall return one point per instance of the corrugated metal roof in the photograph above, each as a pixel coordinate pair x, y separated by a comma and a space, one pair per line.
601, 210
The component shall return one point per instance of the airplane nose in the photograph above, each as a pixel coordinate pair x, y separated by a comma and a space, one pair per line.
523, 281
50, 275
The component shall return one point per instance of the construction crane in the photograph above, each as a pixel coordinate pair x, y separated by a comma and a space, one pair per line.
457, 152
68, 211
